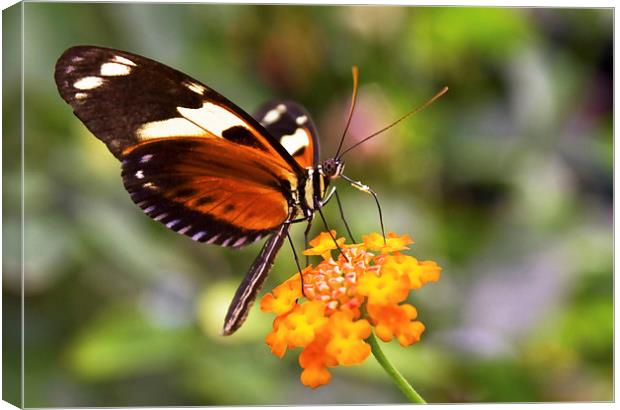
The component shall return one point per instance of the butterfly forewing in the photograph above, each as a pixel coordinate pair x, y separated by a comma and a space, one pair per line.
125, 99
290, 124
192, 160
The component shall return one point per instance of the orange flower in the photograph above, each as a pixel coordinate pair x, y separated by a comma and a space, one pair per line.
343, 299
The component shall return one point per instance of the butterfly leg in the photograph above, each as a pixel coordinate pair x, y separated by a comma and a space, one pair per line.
301, 276
346, 224
306, 233
366, 188
329, 196
331, 234
333, 192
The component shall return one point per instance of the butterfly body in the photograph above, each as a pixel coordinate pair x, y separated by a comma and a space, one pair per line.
194, 161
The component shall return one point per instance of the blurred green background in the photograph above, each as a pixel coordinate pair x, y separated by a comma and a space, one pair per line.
506, 182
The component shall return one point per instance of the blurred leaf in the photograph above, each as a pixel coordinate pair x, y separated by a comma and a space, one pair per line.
212, 307
120, 342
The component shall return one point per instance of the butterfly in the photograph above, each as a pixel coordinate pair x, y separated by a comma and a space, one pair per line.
197, 163
194, 161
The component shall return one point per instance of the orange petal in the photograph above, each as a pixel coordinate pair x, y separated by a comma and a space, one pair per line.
419, 273
276, 340
347, 339
392, 242
423, 273
396, 321
315, 360
390, 287
315, 376
283, 297
323, 244
303, 322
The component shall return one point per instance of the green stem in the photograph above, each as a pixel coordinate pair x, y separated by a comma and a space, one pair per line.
398, 378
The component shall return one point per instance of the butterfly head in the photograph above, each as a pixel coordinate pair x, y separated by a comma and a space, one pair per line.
332, 167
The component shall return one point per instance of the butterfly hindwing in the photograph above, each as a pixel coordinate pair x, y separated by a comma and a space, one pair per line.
125, 99
208, 189
290, 124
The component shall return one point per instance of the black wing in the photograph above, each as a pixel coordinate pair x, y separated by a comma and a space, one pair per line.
290, 124
125, 99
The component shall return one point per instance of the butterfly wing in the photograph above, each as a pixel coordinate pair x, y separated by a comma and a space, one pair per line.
125, 99
191, 158
209, 188
290, 124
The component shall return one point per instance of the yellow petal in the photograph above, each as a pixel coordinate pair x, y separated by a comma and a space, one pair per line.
392, 242
303, 322
323, 244
283, 297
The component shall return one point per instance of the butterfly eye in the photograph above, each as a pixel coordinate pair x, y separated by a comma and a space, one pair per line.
332, 167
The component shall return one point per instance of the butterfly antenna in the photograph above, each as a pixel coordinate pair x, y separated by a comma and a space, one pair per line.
414, 111
351, 108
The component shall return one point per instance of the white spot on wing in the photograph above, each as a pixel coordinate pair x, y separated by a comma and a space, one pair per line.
274, 115
124, 60
111, 69
197, 88
174, 127
184, 230
211, 117
271, 117
160, 216
172, 223
198, 235
88, 83
239, 242
301, 120
80, 96
146, 158
295, 142
226, 242
139, 174
149, 209
213, 239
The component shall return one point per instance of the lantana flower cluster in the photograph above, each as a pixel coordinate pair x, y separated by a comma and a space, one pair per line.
343, 299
